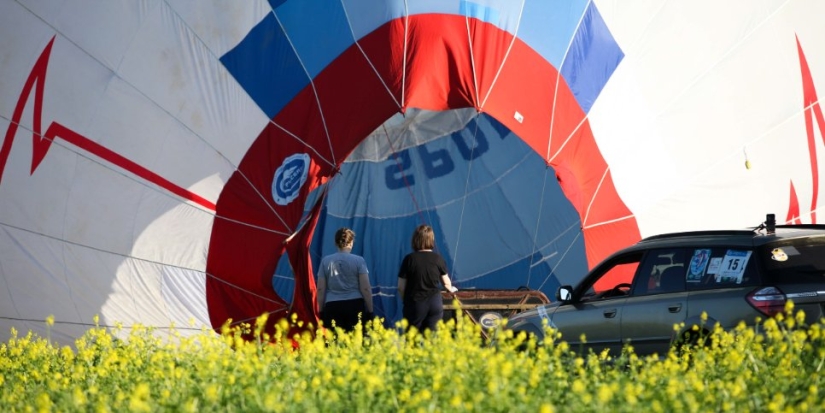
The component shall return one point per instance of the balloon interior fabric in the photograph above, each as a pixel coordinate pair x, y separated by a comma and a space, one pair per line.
185, 164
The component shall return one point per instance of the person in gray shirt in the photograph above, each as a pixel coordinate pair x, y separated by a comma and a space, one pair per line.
343, 286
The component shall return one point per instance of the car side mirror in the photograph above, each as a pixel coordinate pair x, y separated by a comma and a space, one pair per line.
564, 293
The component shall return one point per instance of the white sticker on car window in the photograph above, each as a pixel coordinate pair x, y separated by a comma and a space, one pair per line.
698, 264
714, 265
733, 266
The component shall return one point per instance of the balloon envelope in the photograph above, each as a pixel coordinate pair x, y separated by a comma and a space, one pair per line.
187, 163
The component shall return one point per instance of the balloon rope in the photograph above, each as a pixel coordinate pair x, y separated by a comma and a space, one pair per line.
236, 168
404, 68
466, 191
320, 199
553, 270
556, 88
506, 55
237, 287
82, 324
403, 176
595, 194
538, 222
312, 86
369, 62
473, 62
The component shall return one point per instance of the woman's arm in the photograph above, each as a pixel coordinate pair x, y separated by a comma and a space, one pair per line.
445, 279
402, 285
321, 291
366, 290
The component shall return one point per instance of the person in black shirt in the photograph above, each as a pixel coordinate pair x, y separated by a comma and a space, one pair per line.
420, 278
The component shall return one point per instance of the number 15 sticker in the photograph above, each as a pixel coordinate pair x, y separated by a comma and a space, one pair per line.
733, 266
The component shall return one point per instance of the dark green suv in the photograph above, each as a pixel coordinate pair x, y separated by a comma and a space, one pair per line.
638, 294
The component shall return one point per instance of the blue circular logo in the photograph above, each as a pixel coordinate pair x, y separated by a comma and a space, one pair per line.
489, 320
289, 178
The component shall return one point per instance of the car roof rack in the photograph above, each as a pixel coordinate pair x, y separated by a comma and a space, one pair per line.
769, 225
728, 232
709, 233
803, 226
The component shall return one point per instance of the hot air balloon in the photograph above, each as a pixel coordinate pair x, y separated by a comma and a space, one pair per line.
185, 163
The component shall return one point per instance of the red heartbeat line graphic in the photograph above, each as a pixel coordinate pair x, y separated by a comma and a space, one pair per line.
42, 142
812, 109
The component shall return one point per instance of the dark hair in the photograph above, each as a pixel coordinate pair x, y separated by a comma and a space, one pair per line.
343, 237
423, 238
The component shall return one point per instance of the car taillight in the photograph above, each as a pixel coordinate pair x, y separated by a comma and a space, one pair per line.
767, 300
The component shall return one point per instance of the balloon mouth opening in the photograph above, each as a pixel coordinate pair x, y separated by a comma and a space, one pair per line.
468, 175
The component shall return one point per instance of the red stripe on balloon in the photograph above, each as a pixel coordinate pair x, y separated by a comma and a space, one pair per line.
812, 110
42, 143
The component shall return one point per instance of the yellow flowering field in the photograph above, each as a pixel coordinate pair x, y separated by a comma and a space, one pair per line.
776, 367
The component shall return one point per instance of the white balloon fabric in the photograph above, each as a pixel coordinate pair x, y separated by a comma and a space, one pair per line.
160, 161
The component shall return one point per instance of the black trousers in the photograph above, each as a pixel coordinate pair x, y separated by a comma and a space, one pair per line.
344, 313
424, 315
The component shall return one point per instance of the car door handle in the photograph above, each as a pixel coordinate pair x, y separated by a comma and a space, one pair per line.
674, 308
610, 313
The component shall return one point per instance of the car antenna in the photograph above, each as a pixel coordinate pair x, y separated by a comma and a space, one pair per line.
769, 225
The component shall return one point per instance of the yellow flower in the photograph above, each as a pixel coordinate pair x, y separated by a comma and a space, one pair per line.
605, 394
50, 320
78, 397
455, 401
270, 402
374, 383
800, 316
139, 401
546, 408
506, 369
211, 393
44, 402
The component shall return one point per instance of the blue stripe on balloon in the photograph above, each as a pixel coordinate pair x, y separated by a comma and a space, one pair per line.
317, 29
592, 59
266, 66
478, 11
547, 26
275, 3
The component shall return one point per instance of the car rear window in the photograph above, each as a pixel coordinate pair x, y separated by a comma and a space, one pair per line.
795, 261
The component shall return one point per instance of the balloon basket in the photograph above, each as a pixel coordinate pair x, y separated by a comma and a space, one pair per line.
489, 307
